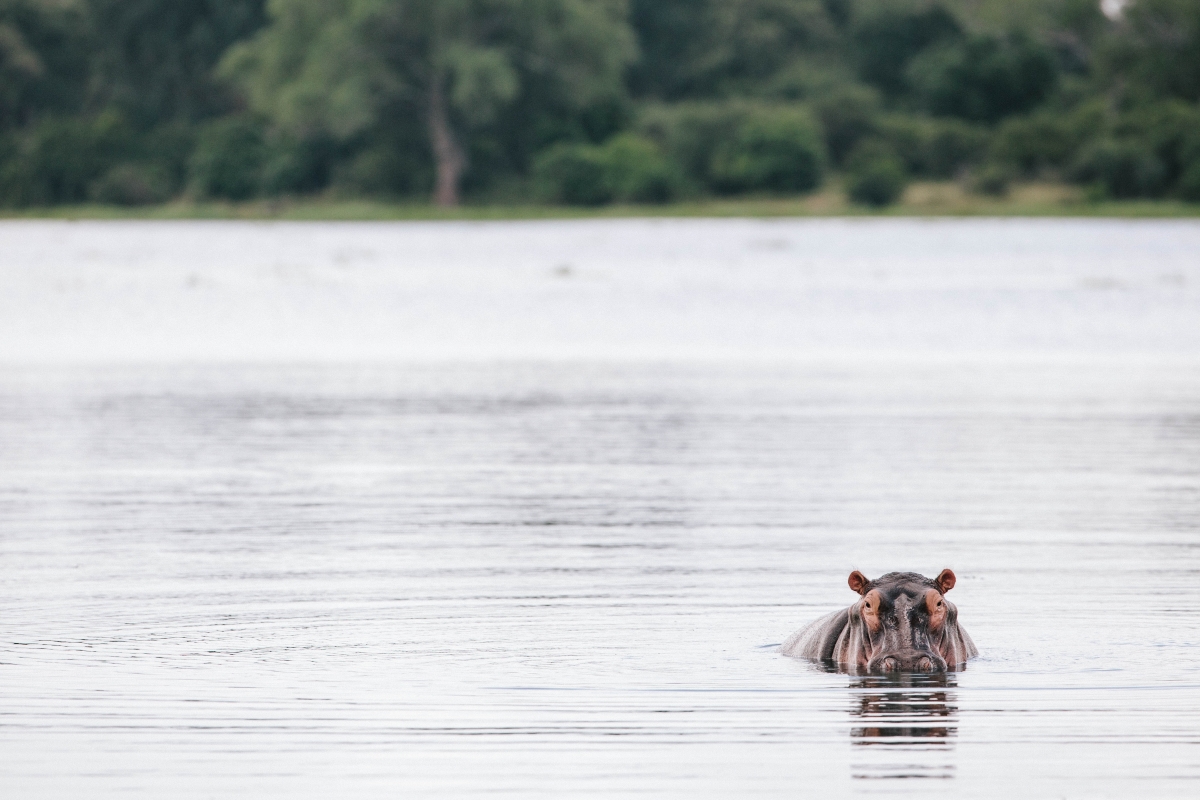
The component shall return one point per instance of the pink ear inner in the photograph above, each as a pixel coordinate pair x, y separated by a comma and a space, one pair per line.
945, 580
858, 582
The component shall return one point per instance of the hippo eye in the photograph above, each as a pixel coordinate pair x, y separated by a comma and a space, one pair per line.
939, 603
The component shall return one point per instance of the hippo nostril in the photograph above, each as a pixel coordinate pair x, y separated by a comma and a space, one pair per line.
907, 662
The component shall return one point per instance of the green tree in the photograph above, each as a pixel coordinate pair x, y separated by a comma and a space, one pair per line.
984, 78
154, 59
43, 60
342, 66
885, 42
698, 48
1157, 48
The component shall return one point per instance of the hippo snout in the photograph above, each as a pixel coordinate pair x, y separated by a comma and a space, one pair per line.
918, 661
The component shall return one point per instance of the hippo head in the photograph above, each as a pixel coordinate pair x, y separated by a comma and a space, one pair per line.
904, 622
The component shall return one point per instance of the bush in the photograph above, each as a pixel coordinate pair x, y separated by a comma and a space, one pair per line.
59, 159
773, 149
375, 172
954, 146
847, 116
167, 149
737, 146
1189, 183
132, 185
1124, 169
935, 148
1045, 141
1189, 156
228, 160
638, 171
574, 174
1166, 128
875, 176
690, 133
389, 165
295, 166
992, 180
626, 168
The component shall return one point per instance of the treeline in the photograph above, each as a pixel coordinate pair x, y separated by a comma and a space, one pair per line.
592, 101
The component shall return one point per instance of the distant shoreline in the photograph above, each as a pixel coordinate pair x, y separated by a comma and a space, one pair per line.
922, 200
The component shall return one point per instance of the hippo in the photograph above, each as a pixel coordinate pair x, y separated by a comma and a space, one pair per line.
903, 623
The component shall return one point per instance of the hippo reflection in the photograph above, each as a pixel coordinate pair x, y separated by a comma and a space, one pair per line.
914, 708
902, 623
903, 726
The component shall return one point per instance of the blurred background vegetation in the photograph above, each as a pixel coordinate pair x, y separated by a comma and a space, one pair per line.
590, 102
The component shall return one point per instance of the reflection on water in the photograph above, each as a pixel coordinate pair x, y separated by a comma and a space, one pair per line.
904, 725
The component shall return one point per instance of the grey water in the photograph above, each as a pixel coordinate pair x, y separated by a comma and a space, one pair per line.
524, 509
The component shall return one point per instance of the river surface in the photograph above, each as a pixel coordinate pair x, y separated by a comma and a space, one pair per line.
524, 509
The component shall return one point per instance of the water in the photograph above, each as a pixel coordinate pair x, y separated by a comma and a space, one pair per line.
378, 526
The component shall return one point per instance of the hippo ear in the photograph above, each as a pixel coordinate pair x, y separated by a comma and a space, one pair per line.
858, 582
945, 580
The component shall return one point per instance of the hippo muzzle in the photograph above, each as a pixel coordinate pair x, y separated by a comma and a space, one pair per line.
912, 661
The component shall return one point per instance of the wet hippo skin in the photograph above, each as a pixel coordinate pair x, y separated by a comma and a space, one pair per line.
902, 622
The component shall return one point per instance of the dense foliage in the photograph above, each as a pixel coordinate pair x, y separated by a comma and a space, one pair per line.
592, 101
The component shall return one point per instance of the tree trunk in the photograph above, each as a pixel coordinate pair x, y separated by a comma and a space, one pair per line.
451, 161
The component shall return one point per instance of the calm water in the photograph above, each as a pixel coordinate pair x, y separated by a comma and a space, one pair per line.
303, 511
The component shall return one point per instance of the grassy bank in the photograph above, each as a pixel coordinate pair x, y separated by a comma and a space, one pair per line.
947, 199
